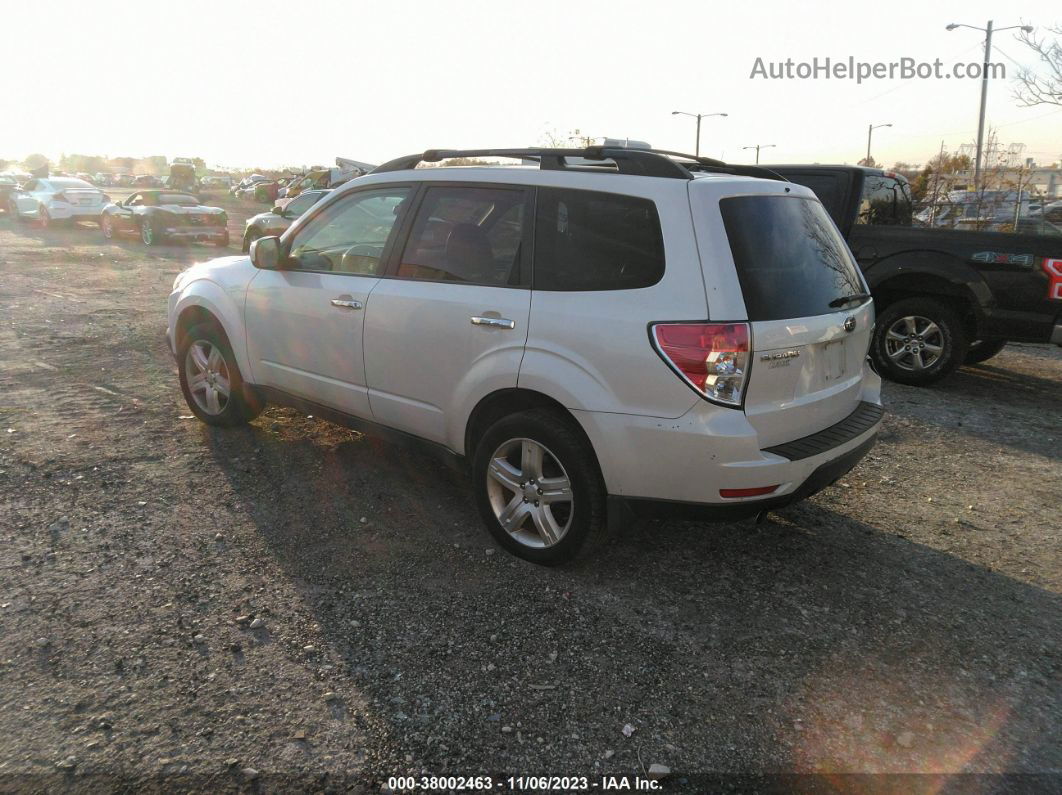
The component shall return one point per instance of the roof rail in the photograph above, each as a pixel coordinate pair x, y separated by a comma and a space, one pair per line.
639, 162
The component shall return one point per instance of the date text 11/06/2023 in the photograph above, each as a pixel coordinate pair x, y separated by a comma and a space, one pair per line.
398, 784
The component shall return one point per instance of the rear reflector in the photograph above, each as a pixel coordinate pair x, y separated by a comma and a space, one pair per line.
759, 491
710, 357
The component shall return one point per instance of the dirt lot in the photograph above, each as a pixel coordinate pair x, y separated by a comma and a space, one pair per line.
905, 620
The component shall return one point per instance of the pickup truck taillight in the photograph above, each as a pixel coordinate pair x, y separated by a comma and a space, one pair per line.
710, 357
1053, 269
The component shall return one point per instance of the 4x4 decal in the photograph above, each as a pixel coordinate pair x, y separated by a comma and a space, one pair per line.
1003, 258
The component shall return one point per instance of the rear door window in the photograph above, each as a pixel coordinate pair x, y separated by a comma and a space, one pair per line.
791, 261
589, 240
886, 201
467, 234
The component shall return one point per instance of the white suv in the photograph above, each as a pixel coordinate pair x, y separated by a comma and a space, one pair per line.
601, 333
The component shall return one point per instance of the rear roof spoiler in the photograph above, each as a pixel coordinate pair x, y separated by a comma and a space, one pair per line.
604, 159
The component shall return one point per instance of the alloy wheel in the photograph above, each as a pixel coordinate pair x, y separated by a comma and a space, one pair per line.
147, 234
914, 343
208, 376
530, 493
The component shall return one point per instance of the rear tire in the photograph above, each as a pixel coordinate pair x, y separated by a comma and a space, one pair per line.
537, 473
918, 341
206, 379
983, 350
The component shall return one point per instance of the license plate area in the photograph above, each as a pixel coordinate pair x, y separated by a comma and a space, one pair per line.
835, 361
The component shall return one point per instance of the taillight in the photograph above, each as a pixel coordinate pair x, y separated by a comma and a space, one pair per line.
710, 357
59, 197
1053, 269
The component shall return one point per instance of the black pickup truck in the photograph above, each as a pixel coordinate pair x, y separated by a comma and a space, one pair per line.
944, 297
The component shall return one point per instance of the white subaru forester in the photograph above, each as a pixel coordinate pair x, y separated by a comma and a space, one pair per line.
601, 333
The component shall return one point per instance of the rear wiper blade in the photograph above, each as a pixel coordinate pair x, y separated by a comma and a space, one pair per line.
837, 302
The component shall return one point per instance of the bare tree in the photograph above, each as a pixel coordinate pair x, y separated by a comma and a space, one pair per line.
1042, 86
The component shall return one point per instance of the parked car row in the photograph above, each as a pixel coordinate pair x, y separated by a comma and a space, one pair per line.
154, 215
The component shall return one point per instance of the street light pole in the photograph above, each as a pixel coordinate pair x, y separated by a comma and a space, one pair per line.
758, 147
870, 131
987, 30
698, 117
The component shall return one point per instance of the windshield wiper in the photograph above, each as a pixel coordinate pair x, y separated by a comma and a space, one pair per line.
838, 302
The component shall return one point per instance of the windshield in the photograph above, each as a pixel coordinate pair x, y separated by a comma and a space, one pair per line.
791, 261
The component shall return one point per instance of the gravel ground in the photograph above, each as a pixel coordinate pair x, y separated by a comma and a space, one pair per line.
293, 605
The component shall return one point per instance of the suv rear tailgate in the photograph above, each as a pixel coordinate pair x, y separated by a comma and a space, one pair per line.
805, 301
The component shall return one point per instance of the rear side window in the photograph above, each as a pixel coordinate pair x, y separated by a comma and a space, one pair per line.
791, 260
586, 240
886, 201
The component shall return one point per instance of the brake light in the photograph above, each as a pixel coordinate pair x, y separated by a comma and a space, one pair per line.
710, 357
1053, 269
59, 197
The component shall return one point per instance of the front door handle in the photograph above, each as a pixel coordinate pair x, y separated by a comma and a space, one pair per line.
493, 322
346, 304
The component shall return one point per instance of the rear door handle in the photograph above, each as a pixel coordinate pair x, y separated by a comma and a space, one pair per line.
493, 322
345, 304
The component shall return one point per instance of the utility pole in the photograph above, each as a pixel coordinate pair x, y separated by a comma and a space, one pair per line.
987, 30
758, 147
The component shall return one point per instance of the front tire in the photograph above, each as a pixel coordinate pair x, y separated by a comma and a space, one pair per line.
148, 234
983, 350
210, 379
918, 341
538, 486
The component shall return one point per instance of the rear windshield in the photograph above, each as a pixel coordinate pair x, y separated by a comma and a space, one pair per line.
791, 260
180, 199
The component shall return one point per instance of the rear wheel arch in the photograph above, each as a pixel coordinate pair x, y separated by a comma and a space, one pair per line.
911, 284
504, 402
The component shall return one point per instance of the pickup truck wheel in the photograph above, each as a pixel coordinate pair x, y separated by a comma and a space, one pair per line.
983, 350
210, 378
918, 341
538, 487
148, 233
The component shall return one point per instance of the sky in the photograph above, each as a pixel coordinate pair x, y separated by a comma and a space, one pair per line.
268, 84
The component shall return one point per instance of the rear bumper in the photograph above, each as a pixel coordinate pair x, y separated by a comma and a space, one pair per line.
693, 459
64, 211
623, 508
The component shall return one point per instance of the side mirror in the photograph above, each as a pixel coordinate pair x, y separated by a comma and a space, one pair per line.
277, 210
265, 253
